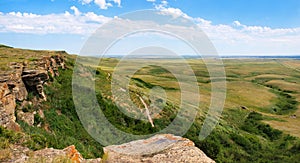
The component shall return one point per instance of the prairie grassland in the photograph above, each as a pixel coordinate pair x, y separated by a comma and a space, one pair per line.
250, 95
268, 76
287, 123
292, 64
288, 86
251, 83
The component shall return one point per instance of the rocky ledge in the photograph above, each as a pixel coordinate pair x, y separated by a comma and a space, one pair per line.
20, 154
157, 149
24, 79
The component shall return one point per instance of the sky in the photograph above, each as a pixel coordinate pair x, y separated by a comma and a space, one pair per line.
235, 27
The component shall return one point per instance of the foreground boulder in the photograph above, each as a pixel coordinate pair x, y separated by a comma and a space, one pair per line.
159, 148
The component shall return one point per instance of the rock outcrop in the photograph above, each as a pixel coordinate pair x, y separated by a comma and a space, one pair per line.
159, 148
19, 154
22, 79
69, 154
34, 81
7, 108
49, 155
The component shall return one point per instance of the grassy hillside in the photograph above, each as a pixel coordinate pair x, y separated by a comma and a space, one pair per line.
254, 107
61, 126
255, 126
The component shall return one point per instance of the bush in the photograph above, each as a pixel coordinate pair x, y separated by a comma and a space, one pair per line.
36, 142
253, 125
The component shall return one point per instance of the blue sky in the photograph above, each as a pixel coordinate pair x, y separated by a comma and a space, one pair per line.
273, 13
234, 26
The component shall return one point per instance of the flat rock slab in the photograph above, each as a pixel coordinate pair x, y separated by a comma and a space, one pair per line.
159, 148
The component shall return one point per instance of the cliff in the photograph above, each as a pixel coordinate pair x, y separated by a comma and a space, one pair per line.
23, 84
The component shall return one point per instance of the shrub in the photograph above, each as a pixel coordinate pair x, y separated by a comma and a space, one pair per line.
253, 125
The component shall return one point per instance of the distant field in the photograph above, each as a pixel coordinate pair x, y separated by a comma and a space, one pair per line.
260, 85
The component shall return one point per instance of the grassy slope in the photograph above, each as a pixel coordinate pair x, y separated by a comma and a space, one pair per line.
241, 135
61, 126
247, 86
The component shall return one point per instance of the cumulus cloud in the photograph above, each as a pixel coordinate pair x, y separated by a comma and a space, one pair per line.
65, 23
235, 37
164, 3
86, 1
240, 38
174, 12
76, 11
151, 0
118, 2
103, 4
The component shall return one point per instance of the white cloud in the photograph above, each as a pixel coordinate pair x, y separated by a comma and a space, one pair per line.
202, 22
227, 38
65, 23
239, 38
86, 1
118, 2
164, 3
237, 23
103, 4
151, 0
174, 12
76, 11
242, 39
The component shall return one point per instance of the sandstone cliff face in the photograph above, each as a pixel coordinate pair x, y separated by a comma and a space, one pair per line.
22, 79
7, 108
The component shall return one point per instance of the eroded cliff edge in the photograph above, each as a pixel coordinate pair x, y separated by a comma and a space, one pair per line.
22, 85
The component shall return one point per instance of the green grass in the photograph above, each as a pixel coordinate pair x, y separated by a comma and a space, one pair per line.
65, 129
241, 136
249, 141
9, 54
